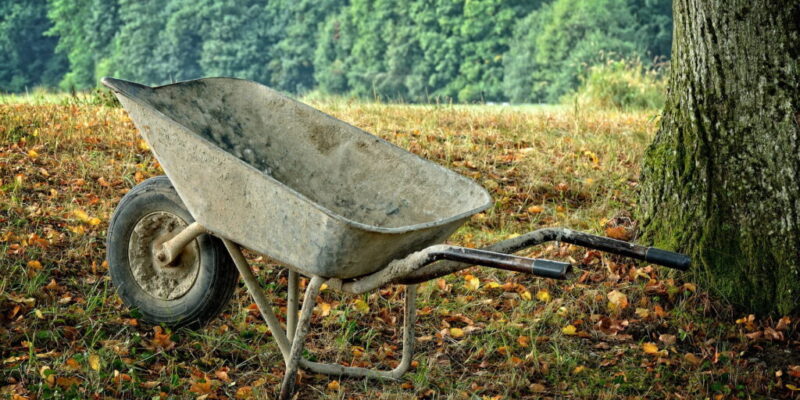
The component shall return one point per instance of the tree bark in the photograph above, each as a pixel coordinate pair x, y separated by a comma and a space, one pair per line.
721, 180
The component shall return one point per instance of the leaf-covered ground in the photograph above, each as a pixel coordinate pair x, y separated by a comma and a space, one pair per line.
617, 329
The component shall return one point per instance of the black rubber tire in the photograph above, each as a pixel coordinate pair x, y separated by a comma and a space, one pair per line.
217, 276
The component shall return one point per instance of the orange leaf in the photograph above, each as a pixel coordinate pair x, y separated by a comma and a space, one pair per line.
162, 339
617, 232
693, 359
535, 209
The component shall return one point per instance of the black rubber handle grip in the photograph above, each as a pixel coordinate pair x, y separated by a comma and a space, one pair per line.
668, 259
508, 262
550, 268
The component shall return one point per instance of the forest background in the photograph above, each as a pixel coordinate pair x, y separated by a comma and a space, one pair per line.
420, 51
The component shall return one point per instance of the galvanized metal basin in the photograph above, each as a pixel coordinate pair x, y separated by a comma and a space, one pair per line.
286, 180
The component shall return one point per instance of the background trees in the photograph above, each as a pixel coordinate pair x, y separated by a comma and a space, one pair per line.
418, 50
27, 56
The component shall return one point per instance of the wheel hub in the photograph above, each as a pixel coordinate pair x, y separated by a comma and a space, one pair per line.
163, 281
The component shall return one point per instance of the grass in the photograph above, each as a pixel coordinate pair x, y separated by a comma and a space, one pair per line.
481, 334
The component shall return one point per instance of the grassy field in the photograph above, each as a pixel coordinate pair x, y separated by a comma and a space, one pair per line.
615, 330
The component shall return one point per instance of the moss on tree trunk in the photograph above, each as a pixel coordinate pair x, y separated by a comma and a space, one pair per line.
721, 181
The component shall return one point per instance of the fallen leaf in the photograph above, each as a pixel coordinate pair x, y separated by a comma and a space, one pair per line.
162, 339
693, 359
578, 369
650, 348
47, 374
667, 339
361, 306
456, 333
537, 388
201, 387
524, 341
325, 309
222, 374
492, 285
526, 295
617, 232
333, 385
543, 295
473, 283
81, 215
72, 364
94, 362
569, 330
244, 392
617, 301
535, 209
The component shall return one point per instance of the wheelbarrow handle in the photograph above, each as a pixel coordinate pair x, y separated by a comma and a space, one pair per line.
650, 254
539, 236
538, 267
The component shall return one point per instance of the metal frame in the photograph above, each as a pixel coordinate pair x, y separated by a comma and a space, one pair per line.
297, 329
411, 270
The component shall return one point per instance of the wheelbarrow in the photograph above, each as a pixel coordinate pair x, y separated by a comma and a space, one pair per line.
247, 167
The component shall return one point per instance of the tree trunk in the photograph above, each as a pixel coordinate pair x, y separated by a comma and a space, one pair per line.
721, 181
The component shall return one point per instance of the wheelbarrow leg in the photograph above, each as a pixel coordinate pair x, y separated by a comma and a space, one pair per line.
291, 304
258, 296
293, 362
409, 322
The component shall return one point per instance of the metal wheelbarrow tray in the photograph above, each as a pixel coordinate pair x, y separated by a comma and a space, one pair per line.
257, 169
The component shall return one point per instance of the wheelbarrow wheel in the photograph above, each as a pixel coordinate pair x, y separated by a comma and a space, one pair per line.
193, 288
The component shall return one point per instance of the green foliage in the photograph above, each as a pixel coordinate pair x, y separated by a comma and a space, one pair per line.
27, 56
554, 45
415, 50
622, 85
85, 29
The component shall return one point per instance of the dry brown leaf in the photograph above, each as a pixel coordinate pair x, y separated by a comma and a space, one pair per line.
617, 301
537, 388
667, 339
693, 359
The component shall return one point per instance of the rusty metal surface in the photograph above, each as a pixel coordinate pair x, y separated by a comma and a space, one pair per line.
288, 181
